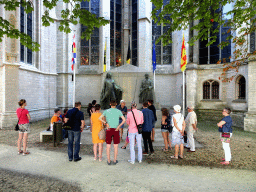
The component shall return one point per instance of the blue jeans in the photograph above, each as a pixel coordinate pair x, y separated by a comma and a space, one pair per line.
132, 151
73, 136
120, 121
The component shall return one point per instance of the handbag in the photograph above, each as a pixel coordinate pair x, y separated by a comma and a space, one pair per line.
102, 134
68, 126
17, 125
139, 127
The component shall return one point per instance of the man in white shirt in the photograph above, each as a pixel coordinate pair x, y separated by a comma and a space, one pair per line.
191, 122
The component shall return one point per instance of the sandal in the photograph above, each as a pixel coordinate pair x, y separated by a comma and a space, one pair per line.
100, 159
26, 153
181, 157
165, 150
173, 157
19, 152
95, 158
170, 148
123, 147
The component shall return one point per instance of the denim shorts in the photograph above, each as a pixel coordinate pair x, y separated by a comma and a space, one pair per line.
164, 130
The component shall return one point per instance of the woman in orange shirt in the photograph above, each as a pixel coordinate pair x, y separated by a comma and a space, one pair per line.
96, 127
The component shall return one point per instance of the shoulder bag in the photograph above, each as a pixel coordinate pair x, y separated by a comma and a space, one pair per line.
139, 127
68, 125
102, 133
17, 126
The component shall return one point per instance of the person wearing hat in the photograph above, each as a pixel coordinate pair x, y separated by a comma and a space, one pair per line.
191, 122
178, 124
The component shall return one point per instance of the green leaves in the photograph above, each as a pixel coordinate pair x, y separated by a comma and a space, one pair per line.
71, 15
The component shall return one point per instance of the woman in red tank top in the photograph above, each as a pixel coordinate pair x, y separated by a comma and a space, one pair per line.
24, 117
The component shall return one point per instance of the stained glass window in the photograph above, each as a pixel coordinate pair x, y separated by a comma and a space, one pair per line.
26, 26
163, 53
90, 48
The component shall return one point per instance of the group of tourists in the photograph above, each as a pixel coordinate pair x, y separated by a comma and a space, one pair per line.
113, 119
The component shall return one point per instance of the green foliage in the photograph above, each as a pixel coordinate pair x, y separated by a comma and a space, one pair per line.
208, 12
72, 15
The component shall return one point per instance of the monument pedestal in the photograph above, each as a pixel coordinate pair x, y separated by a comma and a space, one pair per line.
129, 78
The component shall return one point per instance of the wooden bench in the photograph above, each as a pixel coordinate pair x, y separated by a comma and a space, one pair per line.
44, 133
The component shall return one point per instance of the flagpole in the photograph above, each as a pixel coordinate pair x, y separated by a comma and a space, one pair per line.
183, 76
154, 71
74, 75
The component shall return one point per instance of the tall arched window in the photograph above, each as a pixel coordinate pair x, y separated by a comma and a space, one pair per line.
26, 26
115, 32
211, 90
163, 53
241, 87
213, 53
90, 48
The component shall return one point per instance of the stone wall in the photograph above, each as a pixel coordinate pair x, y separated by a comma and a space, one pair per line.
39, 90
88, 88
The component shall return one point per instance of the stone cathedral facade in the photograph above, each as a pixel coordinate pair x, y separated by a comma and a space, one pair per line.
45, 78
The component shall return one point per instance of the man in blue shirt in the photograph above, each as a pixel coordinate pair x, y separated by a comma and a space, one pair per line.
76, 119
123, 109
225, 127
147, 126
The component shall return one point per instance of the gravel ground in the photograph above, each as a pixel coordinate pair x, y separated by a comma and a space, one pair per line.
16, 181
243, 150
243, 147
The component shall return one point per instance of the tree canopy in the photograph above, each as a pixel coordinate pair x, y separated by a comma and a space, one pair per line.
71, 15
211, 14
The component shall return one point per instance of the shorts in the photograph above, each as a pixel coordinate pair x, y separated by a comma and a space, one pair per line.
112, 134
164, 130
24, 128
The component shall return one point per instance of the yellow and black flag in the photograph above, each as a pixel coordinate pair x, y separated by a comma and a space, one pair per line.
128, 54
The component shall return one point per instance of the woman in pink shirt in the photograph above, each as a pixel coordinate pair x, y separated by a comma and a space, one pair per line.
23, 123
133, 131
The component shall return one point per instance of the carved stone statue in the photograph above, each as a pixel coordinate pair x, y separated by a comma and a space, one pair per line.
146, 90
110, 91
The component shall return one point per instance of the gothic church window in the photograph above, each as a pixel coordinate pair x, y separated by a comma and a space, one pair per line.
26, 26
115, 32
212, 54
163, 53
210, 90
134, 32
241, 84
90, 48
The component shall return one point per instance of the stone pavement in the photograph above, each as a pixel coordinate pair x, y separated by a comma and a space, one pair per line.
93, 175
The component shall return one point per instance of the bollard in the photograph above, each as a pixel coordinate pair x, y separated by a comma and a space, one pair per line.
57, 133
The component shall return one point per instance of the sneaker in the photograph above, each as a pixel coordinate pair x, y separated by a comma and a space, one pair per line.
130, 161
145, 153
20, 152
152, 153
114, 163
70, 160
79, 158
140, 161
